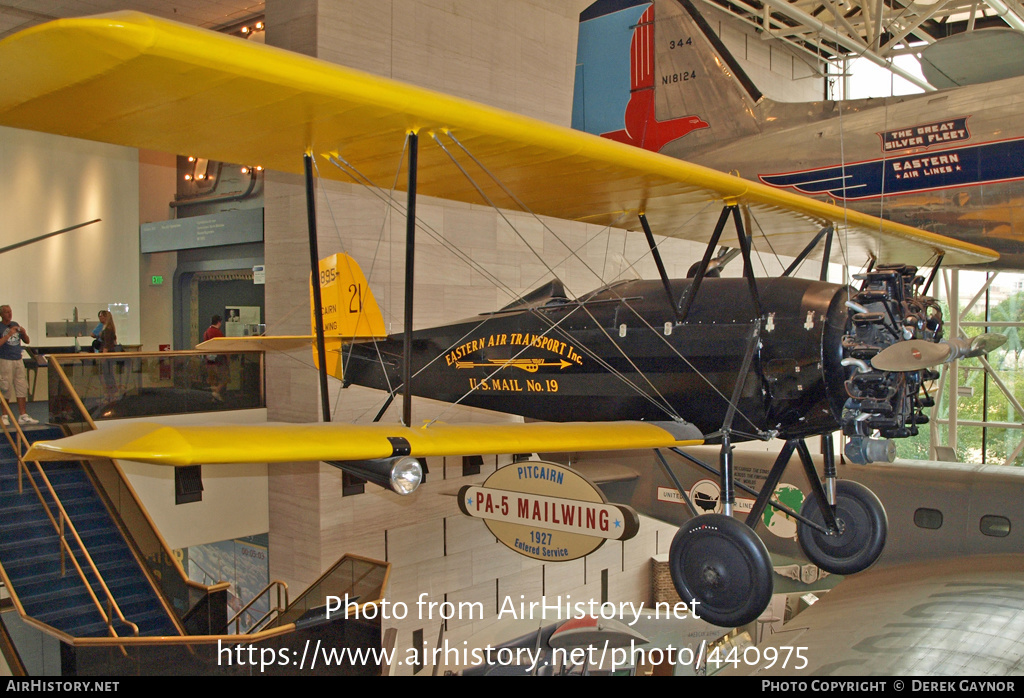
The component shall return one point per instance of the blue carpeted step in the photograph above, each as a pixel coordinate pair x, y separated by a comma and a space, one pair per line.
30, 552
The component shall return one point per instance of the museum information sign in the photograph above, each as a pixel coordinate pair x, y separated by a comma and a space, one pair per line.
547, 511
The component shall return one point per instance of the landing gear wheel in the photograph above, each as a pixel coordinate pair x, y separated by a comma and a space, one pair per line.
720, 563
862, 530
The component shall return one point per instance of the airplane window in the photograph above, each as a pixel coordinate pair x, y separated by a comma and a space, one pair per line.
998, 526
928, 518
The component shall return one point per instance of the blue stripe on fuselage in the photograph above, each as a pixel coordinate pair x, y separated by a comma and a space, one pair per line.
940, 169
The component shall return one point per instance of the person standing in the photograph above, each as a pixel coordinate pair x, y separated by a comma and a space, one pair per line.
97, 343
108, 335
108, 344
216, 364
213, 331
13, 378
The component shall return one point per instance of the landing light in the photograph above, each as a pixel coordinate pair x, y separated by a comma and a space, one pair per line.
406, 475
401, 475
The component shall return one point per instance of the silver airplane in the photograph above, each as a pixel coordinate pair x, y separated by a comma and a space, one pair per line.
655, 75
921, 620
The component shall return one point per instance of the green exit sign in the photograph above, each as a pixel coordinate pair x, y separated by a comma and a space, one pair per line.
157, 280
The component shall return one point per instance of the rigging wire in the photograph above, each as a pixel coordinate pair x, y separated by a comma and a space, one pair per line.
625, 302
666, 404
360, 177
380, 236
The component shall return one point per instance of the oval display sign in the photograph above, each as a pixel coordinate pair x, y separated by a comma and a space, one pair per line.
547, 511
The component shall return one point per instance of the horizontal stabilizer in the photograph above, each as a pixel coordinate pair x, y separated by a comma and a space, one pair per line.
277, 442
282, 343
221, 345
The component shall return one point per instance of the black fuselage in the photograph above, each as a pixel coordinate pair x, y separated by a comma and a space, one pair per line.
619, 353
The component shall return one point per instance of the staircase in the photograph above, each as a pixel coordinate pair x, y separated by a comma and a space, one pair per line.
30, 553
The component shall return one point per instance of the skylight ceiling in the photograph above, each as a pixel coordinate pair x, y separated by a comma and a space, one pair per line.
875, 29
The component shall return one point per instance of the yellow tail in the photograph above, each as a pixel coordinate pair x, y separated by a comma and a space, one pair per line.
350, 312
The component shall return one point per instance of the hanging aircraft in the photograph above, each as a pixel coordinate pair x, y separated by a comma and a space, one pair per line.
654, 74
635, 365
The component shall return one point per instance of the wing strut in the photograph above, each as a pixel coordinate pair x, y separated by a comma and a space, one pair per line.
748, 266
827, 230
702, 269
826, 255
410, 259
728, 481
350, 484
314, 265
931, 277
661, 265
691, 293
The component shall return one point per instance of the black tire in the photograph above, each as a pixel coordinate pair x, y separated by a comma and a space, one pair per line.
863, 525
721, 564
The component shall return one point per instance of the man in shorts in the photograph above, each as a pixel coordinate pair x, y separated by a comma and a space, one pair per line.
13, 379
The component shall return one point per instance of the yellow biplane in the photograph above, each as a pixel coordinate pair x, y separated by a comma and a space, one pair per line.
638, 365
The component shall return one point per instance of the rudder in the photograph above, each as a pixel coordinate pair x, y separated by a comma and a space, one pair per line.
349, 309
653, 74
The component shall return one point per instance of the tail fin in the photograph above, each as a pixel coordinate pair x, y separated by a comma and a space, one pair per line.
350, 312
654, 73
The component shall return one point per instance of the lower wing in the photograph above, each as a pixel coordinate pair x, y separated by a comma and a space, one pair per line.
277, 442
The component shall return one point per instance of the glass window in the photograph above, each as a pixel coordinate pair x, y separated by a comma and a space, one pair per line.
998, 526
928, 518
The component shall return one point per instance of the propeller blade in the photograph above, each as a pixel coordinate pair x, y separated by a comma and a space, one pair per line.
984, 343
911, 355
915, 354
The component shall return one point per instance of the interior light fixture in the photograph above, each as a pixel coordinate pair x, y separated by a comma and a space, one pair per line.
199, 170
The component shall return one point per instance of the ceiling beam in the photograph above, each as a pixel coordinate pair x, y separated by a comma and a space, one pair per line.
896, 38
840, 17
1008, 16
848, 42
817, 55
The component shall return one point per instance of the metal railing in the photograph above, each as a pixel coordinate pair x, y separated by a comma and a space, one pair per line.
138, 384
362, 579
227, 654
164, 569
275, 609
62, 525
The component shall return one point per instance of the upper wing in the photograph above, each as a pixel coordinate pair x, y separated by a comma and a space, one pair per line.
130, 79
275, 443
